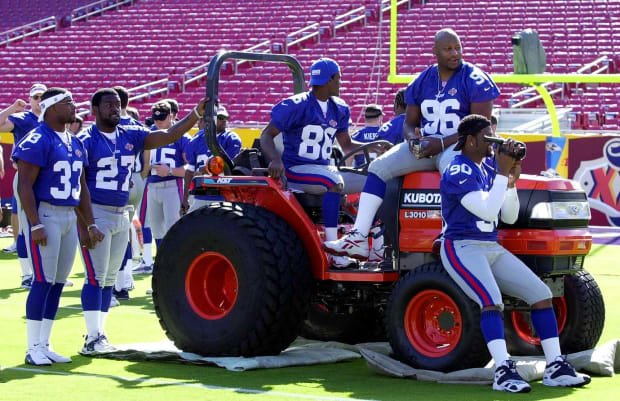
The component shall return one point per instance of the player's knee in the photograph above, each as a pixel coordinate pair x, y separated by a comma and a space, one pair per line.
543, 304
338, 188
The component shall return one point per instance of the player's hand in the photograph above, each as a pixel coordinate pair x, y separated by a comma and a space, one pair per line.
184, 207
276, 169
39, 236
200, 107
95, 235
514, 174
429, 147
18, 106
380, 148
505, 162
161, 170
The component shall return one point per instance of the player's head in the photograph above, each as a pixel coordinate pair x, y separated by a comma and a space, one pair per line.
493, 123
106, 106
447, 49
471, 131
161, 114
133, 113
76, 125
57, 106
123, 94
373, 114
174, 107
399, 102
222, 119
325, 76
36, 91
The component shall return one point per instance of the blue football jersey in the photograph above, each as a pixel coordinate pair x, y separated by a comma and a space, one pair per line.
23, 123
60, 165
138, 166
366, 134
392, 131
460, 178
443, 108
308, 135
110, 165
171, 155
197, 153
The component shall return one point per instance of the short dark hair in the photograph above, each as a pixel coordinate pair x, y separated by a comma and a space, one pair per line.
51, 92
96, 99
493, 120
470, 125
399, 99
162, 105
123, 94
174, 105
133, 112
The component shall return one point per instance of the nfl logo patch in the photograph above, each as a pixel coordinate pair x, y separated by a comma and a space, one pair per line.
78, 153
452, 92
333, 123
129, 146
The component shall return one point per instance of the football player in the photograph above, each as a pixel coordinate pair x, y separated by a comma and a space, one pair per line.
475, 189
52, 189
436, 101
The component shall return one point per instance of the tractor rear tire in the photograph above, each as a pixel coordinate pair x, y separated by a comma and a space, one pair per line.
231, 279
432, 324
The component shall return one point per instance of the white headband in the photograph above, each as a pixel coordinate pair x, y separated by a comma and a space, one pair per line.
49, 102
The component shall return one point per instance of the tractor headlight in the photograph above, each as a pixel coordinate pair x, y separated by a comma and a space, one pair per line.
561, 211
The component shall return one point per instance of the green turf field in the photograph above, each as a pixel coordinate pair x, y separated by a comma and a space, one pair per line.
134, 321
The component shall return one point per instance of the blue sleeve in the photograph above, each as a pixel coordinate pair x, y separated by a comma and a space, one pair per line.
480, 86
283, 114
345, 119
33, 149
233, 145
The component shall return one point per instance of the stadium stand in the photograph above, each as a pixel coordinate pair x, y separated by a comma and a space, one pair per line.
160, 41
18, 12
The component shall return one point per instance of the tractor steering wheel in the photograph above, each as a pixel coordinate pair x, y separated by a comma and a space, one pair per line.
363, 169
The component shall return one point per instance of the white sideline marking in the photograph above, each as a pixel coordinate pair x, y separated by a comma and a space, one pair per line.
196, 385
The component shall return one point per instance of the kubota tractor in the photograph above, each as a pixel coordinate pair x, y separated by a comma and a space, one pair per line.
246, 276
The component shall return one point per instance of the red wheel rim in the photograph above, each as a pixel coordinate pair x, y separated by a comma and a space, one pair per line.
211, 285
522, 321
433, 323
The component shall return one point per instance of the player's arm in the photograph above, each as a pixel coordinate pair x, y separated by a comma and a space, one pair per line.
348, 144
510, 208
146, 163
159, 138
27, 175
268, 147
84, 212
187, 180
482, 108
486, 205
17, 107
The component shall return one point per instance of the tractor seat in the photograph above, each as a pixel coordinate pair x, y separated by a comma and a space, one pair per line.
314, 201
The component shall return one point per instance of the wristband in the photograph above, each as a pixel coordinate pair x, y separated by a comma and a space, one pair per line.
442, 146
91, 226
196, 112
36, 227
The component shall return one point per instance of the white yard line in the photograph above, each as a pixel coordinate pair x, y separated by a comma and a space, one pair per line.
182, 384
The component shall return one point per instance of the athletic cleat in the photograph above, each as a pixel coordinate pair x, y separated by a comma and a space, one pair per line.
560, 373
507, 379
114, 302
354, 245
68, 283
52, 355
96, 345
376, 255
149, 291
26, 282
122, 295
143, 268
36, 357
11, 248
341, 262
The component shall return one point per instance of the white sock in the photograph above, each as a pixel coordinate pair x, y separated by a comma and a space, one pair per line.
102, 318
46, 331
120, 278
498, 351
128, 276
331, 233
147, 256
92, 323
369, 204
33, 332
377, 243
24, 263
551, 348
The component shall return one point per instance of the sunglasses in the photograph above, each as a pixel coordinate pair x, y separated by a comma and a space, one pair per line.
36, 97
222, 118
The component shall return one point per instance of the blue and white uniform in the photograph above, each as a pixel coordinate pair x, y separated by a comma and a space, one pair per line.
137, 182
392, 130
308, 135
365, 135
61, 159
442, 108
108, 175
162, 197
470, 252
197, 154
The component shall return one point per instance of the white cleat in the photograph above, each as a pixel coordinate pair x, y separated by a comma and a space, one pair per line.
53, 355
36, 357
96, 345
560, 373
507, 379
341, 262
354, 245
